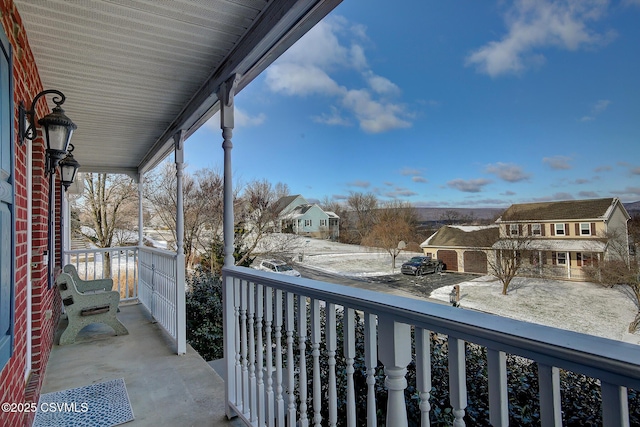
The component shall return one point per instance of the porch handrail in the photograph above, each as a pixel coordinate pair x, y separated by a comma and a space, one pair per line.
615, 363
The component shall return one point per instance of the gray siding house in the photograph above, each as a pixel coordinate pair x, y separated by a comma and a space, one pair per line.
296, 215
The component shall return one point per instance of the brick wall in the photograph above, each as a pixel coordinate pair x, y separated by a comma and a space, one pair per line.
45, 302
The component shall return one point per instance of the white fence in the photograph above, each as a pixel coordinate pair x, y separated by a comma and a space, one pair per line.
267, 347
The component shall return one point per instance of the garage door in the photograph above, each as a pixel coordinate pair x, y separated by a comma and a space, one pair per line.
475, 262
450, 259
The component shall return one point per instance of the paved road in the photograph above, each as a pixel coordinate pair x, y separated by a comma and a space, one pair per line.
398, 284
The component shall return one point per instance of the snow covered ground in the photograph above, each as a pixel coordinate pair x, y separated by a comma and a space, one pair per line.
578, 306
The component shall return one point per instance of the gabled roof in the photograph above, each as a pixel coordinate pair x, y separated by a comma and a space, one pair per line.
285, 201
464, 236
563, 210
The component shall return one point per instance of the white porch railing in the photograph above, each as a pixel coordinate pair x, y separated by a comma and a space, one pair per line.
267, 315
148, 275
94, 264
161, 289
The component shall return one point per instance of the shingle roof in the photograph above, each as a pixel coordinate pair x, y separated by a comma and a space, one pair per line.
465, 237
565, 210
283, 202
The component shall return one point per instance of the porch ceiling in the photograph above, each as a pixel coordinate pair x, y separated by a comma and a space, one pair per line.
136, 71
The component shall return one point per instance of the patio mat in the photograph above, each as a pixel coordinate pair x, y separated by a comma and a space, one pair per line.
101, 404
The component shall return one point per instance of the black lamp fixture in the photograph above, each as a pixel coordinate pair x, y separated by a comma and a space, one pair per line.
68, 168
57, 128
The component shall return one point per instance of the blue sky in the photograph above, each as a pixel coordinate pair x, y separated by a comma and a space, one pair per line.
466, 104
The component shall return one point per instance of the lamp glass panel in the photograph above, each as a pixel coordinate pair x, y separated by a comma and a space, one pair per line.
59, 137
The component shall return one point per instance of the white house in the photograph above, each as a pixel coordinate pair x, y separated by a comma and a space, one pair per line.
297, 215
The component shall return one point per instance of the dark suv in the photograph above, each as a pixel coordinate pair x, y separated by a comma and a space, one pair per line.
419, 265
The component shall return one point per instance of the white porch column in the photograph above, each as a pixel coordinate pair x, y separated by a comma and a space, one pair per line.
231, 334
140, 179
181, 306
226, 94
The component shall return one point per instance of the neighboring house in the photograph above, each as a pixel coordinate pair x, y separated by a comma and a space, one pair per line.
462, 248
296, 215
566, 236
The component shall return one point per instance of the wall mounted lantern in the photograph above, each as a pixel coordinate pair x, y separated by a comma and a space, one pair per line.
57, 130
68, 169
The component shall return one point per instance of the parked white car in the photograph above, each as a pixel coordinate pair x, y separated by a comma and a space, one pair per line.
277, 266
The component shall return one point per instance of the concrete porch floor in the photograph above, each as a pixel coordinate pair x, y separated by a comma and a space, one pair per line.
164, 389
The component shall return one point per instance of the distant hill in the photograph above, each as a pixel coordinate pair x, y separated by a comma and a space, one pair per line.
438, 214
633, 207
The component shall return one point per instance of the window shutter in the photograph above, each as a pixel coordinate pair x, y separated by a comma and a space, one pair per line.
577, 229
543, 257
553, 229
553, 258
579, 259
593, 228
519, 229
542, 227
529, 230
7, 257
566, 229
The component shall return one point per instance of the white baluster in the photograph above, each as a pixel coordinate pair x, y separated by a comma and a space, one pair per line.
236, 313
615, 406
395, 355
315, 352
349, 348
252, 352
423, 373
371, 362
331, 335
260, 358
550, 403
278, 333
289, 318
457, 380
243, 346
270, 412
302, 343
498, 398
230, 343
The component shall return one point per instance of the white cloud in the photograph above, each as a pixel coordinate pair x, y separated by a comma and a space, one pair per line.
359, 183
469, 186
335, 47
558, 162
537, 24
508, 172
596, 110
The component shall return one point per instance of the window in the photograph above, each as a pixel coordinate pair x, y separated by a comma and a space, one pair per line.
559, 229
307, 223
513, 229
561, 258
585, 258
585, 229
536, 230
7, 260
323, 223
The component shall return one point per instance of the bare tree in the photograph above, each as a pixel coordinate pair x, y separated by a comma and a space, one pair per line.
108, 205
361, 215
202, 196
395, 223
256, 214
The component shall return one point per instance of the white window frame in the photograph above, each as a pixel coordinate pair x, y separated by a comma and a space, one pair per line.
588, 229
561, 258
559, 227
323, 223
307, 223
536, 229
514, 230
